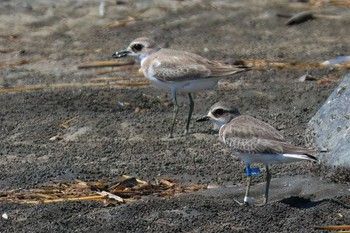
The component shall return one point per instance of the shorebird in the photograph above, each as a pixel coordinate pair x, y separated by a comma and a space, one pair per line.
253, 141
177, 71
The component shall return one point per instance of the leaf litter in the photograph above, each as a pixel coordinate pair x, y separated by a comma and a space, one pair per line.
126, 189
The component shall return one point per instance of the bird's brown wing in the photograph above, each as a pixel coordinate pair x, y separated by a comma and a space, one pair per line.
169, 65
220, 70
246, 134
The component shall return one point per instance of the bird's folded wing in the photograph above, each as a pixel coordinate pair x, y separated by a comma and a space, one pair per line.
249, 127
276, 147
220, 70
253, 145
168, 72
247, 134
291, 149
171, 65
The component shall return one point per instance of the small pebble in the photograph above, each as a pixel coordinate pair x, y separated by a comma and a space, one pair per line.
5, 216
137, 109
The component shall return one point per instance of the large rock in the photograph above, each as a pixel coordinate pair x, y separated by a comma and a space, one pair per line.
331, 125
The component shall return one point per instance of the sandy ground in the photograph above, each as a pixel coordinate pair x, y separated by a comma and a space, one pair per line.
43, 43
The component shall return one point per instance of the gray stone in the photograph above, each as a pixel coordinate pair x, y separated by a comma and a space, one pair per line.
331, 125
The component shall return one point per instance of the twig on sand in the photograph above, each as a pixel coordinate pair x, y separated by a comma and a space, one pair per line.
16, 89
21, 62
96, 64
332, 228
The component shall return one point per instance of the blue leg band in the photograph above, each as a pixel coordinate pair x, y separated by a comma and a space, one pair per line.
251, 171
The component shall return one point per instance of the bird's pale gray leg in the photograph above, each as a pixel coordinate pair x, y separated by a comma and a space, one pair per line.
175, 111
268, 179
191, 105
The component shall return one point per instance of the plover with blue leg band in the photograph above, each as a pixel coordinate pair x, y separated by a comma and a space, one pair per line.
177, 71
253, 141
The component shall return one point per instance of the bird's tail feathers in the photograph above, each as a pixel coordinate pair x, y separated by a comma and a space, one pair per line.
303, 153
301, 157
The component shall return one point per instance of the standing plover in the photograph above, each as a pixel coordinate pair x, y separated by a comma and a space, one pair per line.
177, 71
253, 141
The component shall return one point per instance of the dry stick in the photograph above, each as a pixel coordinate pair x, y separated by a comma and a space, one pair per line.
133, 84
9, 37
73, 85
118, 69
68, 51
111, 196
129, 20
109, 81
5, 51
104, 79
96, 64
15, 89
129, 200
132, 75
88, 198
264, 64
339, 3
77, 85
42, 195
65, 125
122, 23
308, 6
167, 183
303, 6
21, 62
56, 85
340, 227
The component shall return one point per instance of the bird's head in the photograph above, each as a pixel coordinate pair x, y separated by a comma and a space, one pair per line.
220, 113
139, 48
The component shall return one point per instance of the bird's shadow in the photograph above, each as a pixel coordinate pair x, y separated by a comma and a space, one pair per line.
306, 203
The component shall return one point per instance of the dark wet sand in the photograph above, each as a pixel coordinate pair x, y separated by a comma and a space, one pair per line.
108, 140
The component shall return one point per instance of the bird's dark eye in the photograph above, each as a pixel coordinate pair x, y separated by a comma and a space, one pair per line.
218, 112
137, 47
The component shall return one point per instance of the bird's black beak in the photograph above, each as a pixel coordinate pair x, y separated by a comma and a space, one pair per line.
120, 54
203, 118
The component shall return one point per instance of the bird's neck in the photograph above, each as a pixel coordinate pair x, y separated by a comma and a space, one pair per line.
142, 57
220, 124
